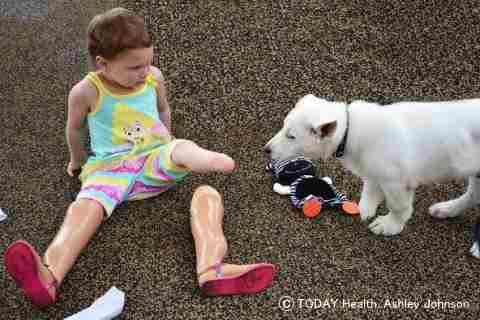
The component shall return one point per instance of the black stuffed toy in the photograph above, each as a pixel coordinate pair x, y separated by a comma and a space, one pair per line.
296, 177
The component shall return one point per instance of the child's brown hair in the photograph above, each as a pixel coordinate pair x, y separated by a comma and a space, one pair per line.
112, 32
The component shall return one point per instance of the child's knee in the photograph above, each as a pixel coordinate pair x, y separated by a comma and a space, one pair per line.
85, 206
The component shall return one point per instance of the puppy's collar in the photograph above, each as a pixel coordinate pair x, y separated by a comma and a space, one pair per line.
341, 147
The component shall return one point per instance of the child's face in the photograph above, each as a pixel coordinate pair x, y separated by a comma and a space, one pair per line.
129, 68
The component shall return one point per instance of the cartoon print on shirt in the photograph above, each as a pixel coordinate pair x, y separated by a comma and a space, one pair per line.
136, 129
136, 134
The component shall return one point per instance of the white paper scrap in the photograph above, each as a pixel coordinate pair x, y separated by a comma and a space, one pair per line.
3, 215
107, 307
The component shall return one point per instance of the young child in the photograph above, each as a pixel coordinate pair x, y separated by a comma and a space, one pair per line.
125, 105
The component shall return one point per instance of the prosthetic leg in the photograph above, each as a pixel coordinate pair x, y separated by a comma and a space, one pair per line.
214, 277
39, 280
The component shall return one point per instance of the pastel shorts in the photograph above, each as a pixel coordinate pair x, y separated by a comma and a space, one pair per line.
137, 178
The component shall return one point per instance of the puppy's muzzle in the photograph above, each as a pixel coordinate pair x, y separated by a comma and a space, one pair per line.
267, 150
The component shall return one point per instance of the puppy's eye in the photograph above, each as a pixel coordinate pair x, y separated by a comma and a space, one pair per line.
290, 136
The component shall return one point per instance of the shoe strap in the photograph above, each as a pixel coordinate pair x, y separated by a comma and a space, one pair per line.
54, 283
217, 267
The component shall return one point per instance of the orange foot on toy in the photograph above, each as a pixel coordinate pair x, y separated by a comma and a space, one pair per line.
312, 207
350, 207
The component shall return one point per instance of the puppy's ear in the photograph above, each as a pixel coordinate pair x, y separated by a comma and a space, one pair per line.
325, 129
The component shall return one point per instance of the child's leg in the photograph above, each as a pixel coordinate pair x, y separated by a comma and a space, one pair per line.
82, 220
188, 154
211, 247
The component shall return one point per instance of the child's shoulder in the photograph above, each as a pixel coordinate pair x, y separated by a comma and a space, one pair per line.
157, 73
84, 91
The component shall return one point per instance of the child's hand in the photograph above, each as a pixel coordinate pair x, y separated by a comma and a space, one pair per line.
73, 168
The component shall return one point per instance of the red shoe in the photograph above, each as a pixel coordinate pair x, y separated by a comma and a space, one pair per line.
254, 280
21, 261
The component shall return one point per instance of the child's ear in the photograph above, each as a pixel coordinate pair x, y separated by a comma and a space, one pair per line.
100, 63
325, 129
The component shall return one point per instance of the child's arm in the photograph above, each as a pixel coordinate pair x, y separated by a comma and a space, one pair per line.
79, 102
162, 102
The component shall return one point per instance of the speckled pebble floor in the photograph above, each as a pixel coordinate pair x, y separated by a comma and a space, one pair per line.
234, 69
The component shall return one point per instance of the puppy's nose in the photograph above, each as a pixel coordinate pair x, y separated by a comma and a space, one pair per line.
267, 150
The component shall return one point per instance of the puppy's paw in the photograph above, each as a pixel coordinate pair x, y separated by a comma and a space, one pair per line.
475, 250
366, 212
446, 209
386, 225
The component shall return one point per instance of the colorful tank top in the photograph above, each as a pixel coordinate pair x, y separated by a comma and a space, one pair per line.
124, 126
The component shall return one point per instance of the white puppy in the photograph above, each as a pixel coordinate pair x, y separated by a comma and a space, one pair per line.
392, 148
